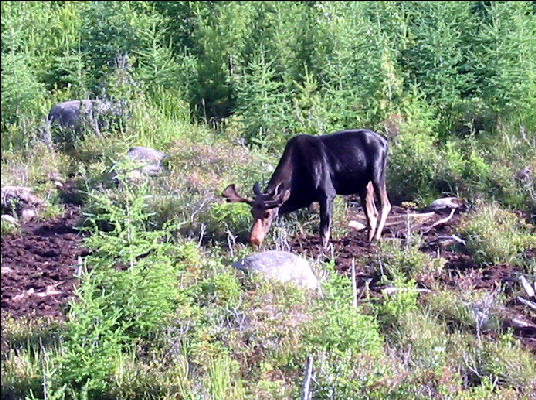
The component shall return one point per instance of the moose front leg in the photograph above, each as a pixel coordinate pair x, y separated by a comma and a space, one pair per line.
326, 212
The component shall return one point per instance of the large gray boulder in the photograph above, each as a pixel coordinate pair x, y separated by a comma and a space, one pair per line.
281, 266
73, 115
21, 201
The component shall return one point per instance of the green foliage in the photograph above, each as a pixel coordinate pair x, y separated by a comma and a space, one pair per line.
425, 337
262, 103
22, 92
129, 292
451, 308
221, 379
8, 228
414, 158
235, 217
494, 235
407, 260
504, 362
338, 327
396, 305
156, 320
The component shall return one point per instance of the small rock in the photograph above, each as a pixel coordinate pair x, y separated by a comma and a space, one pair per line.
150, 160
145, 155
281, 266
524, 174
6, 270
19, 194
446, 203
21, 201
357, 225
9, 219
27, 214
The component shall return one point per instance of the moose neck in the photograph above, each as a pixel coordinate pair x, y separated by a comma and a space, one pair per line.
283, 173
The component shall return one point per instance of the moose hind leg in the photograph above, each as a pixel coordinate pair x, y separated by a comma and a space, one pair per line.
385, 207
369, 207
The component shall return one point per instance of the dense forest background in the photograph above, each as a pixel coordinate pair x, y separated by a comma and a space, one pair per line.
219, 87
456, 81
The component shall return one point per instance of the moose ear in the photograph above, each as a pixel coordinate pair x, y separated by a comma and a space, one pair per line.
278, 201
231, 195
256, 189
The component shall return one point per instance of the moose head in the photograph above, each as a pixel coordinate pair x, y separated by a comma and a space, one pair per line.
264, 208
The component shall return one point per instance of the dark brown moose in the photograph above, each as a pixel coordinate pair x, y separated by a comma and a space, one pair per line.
315, 169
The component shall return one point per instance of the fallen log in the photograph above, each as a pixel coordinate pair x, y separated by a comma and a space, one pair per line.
392, 290
526, 302
526, 285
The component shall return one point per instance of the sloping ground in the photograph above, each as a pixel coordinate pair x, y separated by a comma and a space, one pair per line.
38, 267
459, 273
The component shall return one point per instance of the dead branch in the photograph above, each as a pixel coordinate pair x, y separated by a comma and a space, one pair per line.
527, 286
441, 221
448, 239
396, 219
392, 290
526, 302
517, 323
306, 388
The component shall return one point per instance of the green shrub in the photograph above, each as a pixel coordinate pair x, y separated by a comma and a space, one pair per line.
31, 350
233, 217
423, 337
473, 310
339, 327
405, 259
449, 307
494, 235
414, 158
503, 361
130, 291
8, 228
222, 382
399, 303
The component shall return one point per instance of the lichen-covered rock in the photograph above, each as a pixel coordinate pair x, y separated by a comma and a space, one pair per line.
21, 201
150, 158
281, 266
148, 163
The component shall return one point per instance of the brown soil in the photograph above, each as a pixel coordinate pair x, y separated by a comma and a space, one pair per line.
38, 266
460, 272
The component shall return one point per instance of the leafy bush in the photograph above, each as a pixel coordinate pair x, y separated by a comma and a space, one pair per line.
423, 336
414, 158
494, 235
9, 228
233, 217
337, 326
397, 259
129, 292
503, 361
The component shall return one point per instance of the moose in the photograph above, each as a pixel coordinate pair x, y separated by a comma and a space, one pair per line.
316, 169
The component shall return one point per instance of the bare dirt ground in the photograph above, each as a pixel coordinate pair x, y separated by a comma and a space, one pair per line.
460, 272
38, 266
